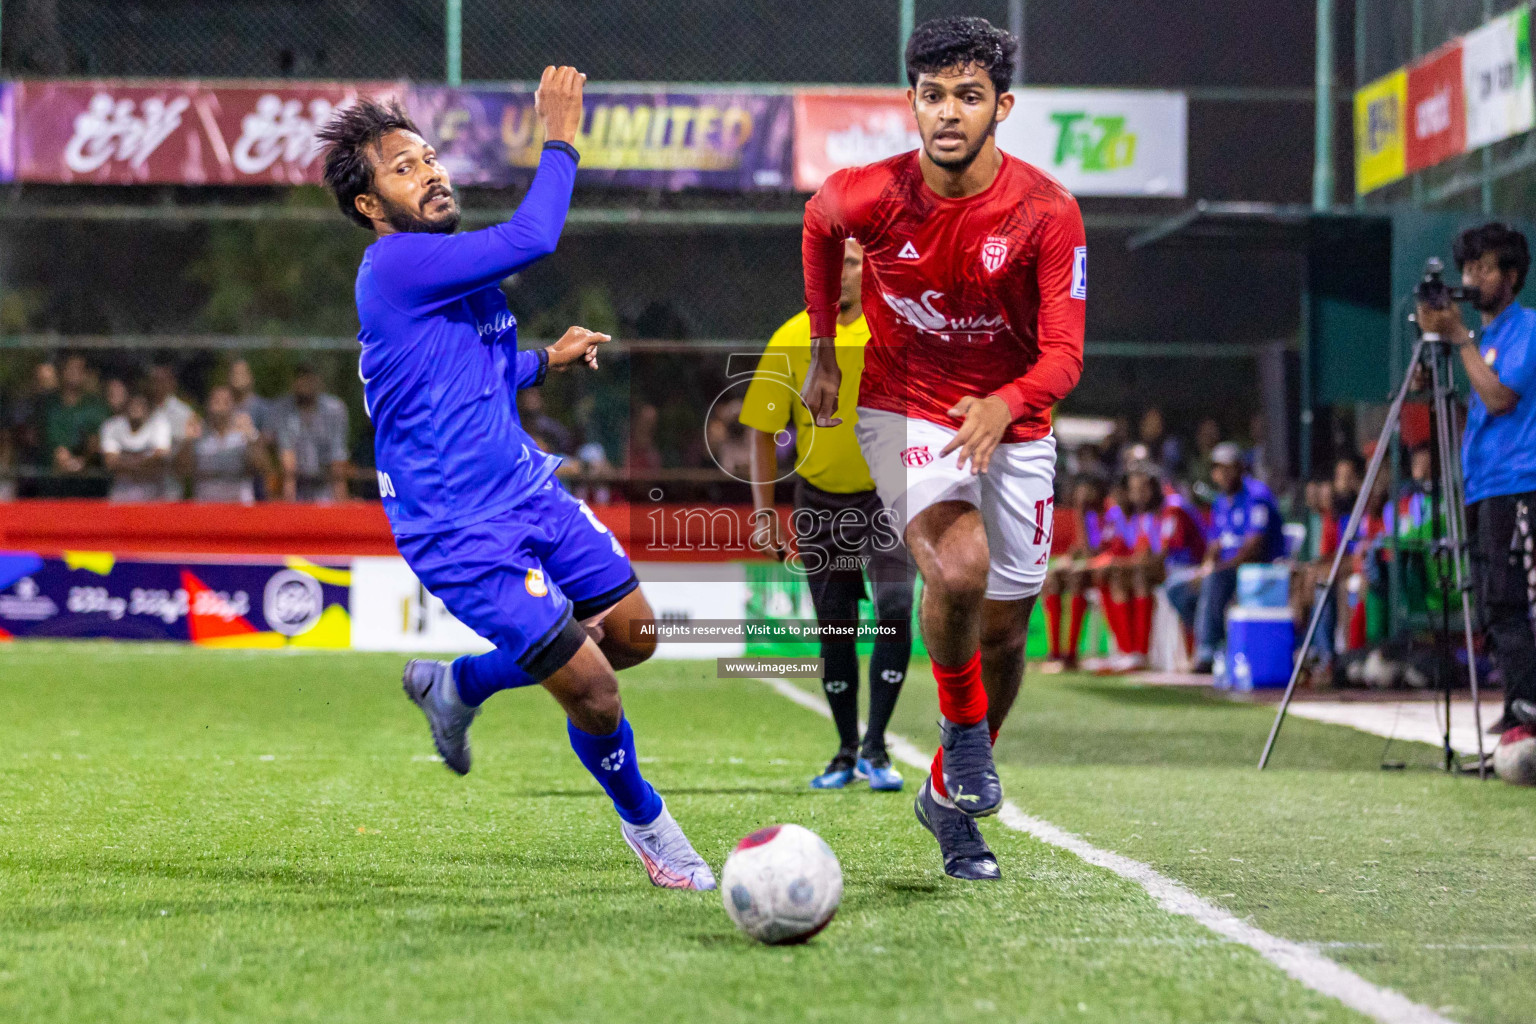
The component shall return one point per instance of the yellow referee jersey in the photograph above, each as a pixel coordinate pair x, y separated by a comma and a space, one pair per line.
827, 457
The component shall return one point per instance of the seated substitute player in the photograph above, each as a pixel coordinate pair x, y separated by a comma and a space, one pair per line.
841, 530
1245, 527
1070, 574
975, 276
1168, 548
473, 503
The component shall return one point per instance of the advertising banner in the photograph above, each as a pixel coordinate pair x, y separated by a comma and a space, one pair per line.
834, 130
1496, 74
175, 132
1437, 108
1097, 142
1102, 142
738, 141
1381, 152
245, 604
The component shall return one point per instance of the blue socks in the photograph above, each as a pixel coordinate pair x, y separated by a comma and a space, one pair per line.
477, 676
611, 760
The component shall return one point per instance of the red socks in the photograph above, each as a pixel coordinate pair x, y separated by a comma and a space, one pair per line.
1053, 626
1141, 624
962, 698
1118, 615
937, 771
1075, 624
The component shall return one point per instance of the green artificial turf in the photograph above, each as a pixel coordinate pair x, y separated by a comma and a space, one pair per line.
253, 836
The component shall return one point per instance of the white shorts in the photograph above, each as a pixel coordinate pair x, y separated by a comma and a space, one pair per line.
1016, 495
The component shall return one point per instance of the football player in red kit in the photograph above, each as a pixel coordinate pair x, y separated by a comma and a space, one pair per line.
974, 287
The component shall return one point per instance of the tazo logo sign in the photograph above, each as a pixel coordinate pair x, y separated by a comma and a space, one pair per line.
1093, 142
109, 129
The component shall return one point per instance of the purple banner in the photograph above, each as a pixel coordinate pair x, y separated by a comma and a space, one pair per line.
736, 141
93, 594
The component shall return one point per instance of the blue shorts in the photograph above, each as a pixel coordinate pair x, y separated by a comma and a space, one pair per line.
524, 579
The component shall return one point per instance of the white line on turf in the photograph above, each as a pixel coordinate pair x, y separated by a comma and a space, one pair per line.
1296, 959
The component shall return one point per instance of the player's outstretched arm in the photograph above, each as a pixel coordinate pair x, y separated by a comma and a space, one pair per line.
429, 270
576, 345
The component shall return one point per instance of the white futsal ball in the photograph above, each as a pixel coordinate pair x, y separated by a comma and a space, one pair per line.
1514, 759
782, 884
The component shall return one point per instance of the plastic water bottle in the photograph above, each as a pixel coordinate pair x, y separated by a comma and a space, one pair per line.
1242, 673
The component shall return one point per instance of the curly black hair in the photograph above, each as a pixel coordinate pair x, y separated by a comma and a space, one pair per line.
348, 136
1508, 244
947, 43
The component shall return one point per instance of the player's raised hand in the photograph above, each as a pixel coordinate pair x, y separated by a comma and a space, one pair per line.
822, 383
576, 344
558, 102
985, 422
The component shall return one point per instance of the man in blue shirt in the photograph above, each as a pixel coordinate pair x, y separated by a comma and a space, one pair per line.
1245, 527
1498, 450
472, 501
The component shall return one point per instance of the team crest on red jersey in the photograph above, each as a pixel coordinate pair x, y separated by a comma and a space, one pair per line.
993, 252
916, 456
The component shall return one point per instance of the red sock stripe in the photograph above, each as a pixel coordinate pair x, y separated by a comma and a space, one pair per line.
1053, 626
1141, 616
1075, 624
962, 698
936, 773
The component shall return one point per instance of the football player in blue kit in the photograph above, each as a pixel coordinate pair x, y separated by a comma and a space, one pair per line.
472, 501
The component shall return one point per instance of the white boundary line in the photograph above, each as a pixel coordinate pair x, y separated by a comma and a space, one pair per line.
1296, 959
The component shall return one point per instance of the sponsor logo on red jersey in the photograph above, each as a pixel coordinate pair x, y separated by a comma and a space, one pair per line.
926, 317
916, 456
994, 252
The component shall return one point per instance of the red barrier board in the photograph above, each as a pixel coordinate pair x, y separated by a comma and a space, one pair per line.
176, 132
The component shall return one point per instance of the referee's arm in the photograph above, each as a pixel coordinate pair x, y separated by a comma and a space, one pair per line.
766, 419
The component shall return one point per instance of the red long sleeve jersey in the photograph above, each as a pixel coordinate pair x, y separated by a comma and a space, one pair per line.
977, 296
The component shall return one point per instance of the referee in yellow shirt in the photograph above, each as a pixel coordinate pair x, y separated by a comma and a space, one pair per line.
841, 529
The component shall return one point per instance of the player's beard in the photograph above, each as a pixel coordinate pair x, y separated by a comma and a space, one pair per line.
959, 163
403, 218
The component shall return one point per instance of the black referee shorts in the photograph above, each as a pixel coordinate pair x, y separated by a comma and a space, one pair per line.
841, 539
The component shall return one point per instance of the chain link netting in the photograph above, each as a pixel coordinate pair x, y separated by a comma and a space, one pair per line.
1067, 42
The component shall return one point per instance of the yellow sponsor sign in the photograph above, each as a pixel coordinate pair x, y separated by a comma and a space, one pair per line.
1381, 150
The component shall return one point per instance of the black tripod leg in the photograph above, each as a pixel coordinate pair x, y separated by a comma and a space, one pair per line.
1356, 514
1456, 528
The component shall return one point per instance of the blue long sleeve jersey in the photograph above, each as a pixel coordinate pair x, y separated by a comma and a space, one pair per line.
440, 364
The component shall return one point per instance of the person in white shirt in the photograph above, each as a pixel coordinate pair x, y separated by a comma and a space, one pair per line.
136, 449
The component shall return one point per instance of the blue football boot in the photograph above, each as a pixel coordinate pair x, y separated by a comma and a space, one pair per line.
876, 767
969, 774
841, 770
965, 852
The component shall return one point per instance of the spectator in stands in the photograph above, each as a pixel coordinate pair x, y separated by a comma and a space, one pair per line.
642, 454
556, 437
24, 424
224, 455
1245, 527
1163, 449
242, 388
1207, 436
136, 449
115, 394
72, 419
312, 430
162, 395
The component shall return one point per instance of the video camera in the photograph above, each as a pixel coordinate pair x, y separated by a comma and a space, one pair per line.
1432, 289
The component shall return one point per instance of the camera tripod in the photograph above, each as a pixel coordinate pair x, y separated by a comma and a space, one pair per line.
1435, 355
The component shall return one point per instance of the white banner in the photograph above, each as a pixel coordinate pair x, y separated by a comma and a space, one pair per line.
1496, 75
392, 611
1101, 142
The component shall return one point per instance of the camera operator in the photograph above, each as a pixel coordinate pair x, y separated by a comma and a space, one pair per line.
1498, 452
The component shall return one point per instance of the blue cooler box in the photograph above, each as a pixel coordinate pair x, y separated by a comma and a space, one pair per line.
1259, 645
1264, 586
